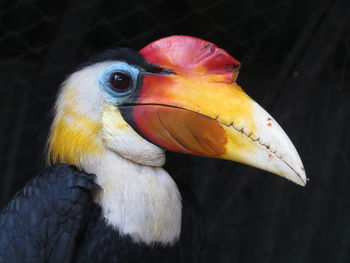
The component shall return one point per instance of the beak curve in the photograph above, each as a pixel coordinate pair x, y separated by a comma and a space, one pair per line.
209, 116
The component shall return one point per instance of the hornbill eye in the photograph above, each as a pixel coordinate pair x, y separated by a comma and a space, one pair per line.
120, 82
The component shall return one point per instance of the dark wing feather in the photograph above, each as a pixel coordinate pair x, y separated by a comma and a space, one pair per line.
44, 220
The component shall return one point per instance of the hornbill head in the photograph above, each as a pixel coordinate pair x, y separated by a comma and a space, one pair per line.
178, 93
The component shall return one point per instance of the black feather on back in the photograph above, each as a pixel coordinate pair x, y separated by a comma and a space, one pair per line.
45, 220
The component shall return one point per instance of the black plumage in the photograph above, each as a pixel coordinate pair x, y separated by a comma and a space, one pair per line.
121, 54
54, 219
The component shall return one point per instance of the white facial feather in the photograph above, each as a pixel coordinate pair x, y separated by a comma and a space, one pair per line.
81, 92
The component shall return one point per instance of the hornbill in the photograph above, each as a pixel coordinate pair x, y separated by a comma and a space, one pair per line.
105, 196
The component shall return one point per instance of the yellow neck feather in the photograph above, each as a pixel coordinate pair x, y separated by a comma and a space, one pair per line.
73, 137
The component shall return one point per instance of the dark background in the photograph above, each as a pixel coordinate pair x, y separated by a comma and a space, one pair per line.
296, 64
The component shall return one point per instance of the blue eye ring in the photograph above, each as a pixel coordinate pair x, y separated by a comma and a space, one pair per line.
127, 73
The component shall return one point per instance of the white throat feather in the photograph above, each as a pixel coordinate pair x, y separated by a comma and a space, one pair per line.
137, 200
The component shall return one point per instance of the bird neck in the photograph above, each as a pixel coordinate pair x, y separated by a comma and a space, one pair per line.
137, 200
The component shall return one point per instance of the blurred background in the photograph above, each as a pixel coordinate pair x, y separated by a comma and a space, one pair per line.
296, 64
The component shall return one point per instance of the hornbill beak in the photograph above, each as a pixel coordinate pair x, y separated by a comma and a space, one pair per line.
195, 106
